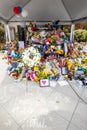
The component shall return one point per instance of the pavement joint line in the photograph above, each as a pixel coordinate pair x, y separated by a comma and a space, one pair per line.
12, 98
27, 118
3, 104
70, 122
75, 126
72, 115
10, 116
79, 96
57, 116
47, 99
20, 128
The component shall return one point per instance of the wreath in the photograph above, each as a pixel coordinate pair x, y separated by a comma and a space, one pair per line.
31, 57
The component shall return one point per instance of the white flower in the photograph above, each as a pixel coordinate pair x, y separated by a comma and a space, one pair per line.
31, 57
20, 65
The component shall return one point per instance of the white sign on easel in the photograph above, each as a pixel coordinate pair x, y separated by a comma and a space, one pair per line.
21, 44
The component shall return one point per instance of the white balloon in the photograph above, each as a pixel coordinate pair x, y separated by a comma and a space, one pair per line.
24, 13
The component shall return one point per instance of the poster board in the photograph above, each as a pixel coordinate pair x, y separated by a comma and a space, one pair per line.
44, 83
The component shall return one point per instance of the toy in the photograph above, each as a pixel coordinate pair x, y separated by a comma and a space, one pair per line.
79, 74
84, 80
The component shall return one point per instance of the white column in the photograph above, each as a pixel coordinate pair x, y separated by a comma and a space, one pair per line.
72, 32
7, 34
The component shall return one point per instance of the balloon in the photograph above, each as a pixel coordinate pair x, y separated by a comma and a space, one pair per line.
45, 47
55, 25
20, 9
24, 13
42, 53
16, 10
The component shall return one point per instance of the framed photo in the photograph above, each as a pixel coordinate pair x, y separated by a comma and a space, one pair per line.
21, 44
44, 83
64, 70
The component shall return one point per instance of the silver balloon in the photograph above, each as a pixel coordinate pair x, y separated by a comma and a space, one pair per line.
24, 13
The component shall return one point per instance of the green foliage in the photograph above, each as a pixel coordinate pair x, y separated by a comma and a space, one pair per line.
85, 26
2, 34
68, 34
66, 28
43, 75
80, 35
20, 70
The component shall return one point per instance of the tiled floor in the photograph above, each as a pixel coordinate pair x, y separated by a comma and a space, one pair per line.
29, 107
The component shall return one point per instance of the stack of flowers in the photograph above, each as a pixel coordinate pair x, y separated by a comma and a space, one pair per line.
52, 57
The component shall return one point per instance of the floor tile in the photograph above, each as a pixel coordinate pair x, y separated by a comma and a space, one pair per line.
19, 129
80, 116
72, 127
64, 101
9, 91
45, 122
6, 122
84, 94
21, 107
35, 88
67, 90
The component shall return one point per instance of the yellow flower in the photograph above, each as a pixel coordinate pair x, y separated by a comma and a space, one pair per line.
59, 51
36, 78
55, 71
79, 64
70, 65
36, 68
84, 60
54, 36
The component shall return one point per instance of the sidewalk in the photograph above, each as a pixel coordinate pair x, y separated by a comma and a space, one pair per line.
30, 107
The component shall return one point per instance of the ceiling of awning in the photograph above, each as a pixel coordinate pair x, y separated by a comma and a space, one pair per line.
45, 10
6, 7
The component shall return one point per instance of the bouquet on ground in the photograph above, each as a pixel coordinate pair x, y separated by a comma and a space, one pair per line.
31, 57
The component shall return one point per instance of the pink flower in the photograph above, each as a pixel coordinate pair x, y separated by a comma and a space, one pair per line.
32, 76
47, 40
58, 40
8, 72
9, 57
27, 75
37, 40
